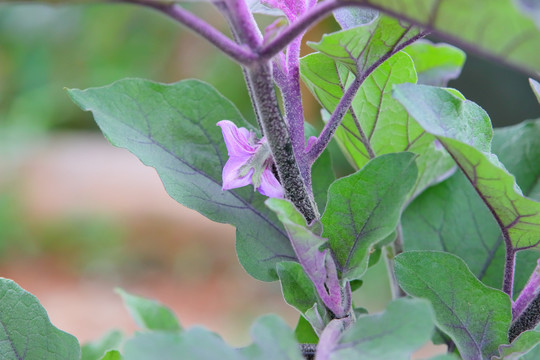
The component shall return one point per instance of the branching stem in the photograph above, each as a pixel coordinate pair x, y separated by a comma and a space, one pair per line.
240, 54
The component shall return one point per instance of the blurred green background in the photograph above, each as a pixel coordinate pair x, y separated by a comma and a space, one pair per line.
51, 228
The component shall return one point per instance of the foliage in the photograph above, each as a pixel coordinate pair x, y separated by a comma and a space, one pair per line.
432, 192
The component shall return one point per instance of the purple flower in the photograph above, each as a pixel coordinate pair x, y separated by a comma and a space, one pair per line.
250, 161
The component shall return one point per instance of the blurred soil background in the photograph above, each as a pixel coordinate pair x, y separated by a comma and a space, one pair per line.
79, 217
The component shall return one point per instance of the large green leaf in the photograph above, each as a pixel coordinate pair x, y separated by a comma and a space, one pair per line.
493, 28
436, 64
446, 214
451, 217
149, 314
26, 332
460, 127
364, 208
475, 316
362, 47
405, 326
173, 129
376, 120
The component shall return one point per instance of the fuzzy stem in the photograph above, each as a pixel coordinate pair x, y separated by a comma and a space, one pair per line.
244, 23
277, 134
261, 85
335, 119
528, 293
237, 52
529, 318
509, 266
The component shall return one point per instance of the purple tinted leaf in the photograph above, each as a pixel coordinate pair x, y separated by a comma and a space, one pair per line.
318, 264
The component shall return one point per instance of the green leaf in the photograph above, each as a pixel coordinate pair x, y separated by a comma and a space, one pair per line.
150, 314
322, 175
364, 208
112, 355
26, 332
96, 350
363, 47
518, 148
304, 332
173, 129
495, 29
404, 327
352, 17
522, 345
272, 339
298, 290
436, 64
447, 213
461, 127
375, 117
443, 113
475, 316
194, 344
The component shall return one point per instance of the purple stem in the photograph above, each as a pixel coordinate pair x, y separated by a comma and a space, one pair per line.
322, 9
509, 266
330, 338
335, 119
237, 52
345, 102
529, 292
244, 24
299, 26
288, 80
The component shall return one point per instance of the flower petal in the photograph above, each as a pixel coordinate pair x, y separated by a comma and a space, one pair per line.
231, 174
236, 139
270, 186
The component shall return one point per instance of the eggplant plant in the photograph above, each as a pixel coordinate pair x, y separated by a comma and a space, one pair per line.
449, 203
